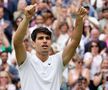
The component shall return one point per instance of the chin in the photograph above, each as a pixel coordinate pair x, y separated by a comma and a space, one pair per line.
45, 52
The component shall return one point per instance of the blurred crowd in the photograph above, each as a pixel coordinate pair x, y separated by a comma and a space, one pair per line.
88, 69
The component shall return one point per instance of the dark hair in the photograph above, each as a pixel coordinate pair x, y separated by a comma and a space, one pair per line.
2, 6
85, 5
98, 44
38, 30
48, 14
3, 51
47, 1
105, 9
81, 78
106, 51
84, 33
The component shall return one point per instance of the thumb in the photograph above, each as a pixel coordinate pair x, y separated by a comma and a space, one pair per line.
35, 5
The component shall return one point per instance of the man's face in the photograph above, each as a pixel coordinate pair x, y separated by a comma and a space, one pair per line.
4, 57
104, 66
94, 34
39, 19
42, 43
81, 85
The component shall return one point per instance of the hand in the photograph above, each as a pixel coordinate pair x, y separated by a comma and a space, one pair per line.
29, 11
5, 25
81, 13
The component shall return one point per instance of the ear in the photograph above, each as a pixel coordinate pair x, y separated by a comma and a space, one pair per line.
33, 44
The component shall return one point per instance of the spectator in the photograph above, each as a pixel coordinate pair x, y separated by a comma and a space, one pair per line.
92, 60
37, 21
4, 43
5, 25
9, 68
77, 72
81, 84
103, 15
94, 36
6, 82
63, 37
103, 77
10, 7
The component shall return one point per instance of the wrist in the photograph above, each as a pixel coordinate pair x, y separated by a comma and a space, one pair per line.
79, 18
26, 19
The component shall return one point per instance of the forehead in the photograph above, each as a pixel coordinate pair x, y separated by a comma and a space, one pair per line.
39, 17
94, 31
105, 66
94, 43
42, 34
3, 74
4, 53
105, 62
1, 8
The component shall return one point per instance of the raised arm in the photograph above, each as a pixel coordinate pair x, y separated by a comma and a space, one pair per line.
75, 38
20, 34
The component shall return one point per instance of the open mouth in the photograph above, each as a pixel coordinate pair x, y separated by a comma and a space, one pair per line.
45, 46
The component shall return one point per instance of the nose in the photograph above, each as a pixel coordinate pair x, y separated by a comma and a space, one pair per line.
44, 39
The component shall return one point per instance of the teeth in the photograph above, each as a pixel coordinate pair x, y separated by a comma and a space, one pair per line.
44, 46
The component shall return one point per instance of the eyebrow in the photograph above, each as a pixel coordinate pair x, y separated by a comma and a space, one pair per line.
42, 37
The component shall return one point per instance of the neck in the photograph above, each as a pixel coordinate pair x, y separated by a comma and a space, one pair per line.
42, 57
77, 68
28, 49
94, 54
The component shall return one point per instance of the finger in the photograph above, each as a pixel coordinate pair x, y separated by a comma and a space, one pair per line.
34, 5
83, 15
30, 9
82, 11
79, 10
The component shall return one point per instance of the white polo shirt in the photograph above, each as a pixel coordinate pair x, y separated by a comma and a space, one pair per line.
38, 75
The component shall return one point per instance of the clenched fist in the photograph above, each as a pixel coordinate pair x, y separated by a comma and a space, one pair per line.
30, 11
81, 12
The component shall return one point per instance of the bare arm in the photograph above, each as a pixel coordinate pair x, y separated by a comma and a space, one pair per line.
75, 38
21, 32
97, 79
4, 39
71, 81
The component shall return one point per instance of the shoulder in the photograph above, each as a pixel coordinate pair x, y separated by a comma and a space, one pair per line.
11, 87
27, 61
57, 58
86, 70
57, 55
87, 55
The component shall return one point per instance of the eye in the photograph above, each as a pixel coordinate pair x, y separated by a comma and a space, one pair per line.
40, 38
48, 38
